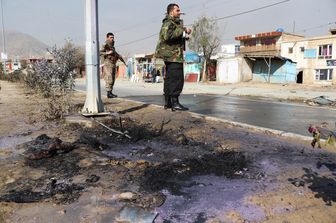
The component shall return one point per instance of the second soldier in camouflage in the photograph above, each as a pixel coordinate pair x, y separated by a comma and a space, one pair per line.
109, 57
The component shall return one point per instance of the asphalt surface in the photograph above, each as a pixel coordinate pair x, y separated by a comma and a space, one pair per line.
266, 113
288, 117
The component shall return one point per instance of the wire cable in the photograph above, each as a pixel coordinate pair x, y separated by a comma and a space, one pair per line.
316, 27
138, 40
252, 10
221, 18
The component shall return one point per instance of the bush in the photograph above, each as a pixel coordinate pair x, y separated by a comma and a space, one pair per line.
15, 76
55, 80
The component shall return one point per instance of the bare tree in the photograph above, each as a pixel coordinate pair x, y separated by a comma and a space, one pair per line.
204, 39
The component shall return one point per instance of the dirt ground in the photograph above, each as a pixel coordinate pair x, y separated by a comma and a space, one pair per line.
165, 167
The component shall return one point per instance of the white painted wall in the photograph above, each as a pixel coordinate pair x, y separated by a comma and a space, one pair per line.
228, 70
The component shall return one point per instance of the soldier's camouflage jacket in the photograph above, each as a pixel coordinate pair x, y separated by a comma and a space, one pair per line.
171, 41
109, 58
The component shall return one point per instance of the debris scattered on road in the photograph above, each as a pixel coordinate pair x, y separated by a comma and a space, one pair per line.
321, 100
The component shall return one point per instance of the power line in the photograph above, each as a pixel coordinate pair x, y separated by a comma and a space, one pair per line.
302, 30
317, 27
138, 40
221, 18
252, 10
154, 19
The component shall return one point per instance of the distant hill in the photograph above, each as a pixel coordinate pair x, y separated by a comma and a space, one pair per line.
23, 46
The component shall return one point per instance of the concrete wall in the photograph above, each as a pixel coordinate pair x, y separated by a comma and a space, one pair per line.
192, 71
290, 37
246, 68
282, 71
228, 70
121, 71
192, 68
228, 50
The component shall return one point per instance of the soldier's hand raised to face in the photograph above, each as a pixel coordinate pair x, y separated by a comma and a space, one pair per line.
187, 30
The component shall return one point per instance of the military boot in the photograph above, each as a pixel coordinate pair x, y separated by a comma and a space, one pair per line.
114, 95
109, 94
168, 102
176, 106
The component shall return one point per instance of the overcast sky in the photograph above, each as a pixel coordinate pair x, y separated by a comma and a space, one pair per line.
53, 21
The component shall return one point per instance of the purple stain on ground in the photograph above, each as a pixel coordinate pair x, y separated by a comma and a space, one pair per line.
199, 198
214, 196
123, 151
12, 141
282, 209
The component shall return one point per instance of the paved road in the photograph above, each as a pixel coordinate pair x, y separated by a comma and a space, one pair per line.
288, 117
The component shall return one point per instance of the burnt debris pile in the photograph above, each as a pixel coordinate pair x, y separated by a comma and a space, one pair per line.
171, 176
44, 147
151, 160
54, 158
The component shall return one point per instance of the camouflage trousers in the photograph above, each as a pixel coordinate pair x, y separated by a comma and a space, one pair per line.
109, 71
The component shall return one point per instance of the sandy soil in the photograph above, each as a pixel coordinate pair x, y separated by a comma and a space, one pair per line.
176, 167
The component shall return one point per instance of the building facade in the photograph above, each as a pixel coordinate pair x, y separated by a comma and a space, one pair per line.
263, 60
193, 64
229, 65
315, 58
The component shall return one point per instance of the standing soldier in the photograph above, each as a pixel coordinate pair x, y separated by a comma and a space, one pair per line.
170, 48
109, 58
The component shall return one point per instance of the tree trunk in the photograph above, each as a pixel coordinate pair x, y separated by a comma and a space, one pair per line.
204, 75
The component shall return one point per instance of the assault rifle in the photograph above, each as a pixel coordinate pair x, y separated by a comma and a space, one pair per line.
186, 37
114, 56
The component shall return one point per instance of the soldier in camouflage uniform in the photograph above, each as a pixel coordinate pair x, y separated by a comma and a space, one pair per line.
109, 58
170, 48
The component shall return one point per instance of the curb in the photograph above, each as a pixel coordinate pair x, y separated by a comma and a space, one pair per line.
237, 124
254, 127
243, 125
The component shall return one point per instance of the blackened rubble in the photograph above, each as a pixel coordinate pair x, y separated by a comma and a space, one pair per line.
44, 147
63, 192
167, 157
172, 176
59, 166
155, 167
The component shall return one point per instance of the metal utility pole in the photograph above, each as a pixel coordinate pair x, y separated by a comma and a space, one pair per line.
93, 103
3, 54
